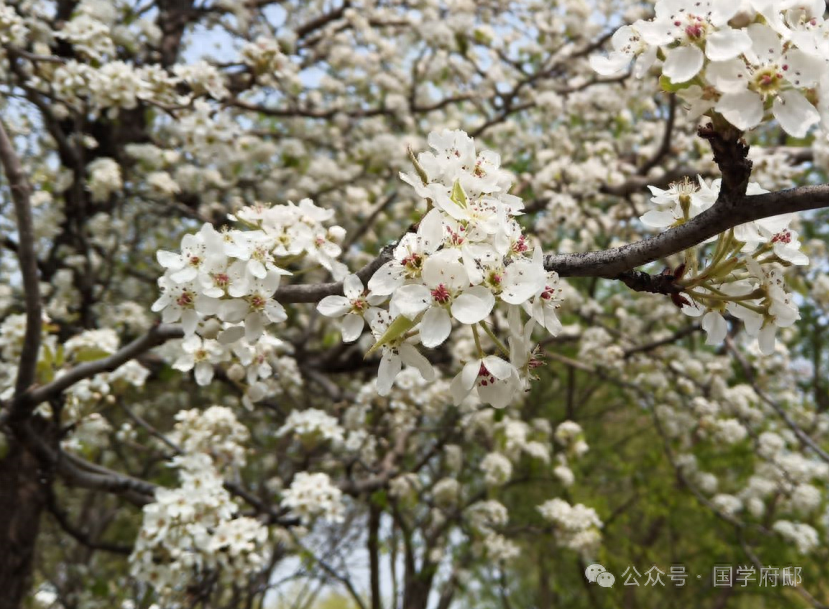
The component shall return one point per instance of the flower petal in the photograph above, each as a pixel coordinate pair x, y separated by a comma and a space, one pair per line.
334, 306
387, 278
351, 328
352, 287
744, 110
683, 63
410, 300
435, 327
726, 44
412, 357
794, 113
499, 368
474, 305
390, 366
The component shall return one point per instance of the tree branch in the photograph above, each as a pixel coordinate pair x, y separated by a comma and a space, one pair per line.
23, 405
315, 292
725, 214
21, 195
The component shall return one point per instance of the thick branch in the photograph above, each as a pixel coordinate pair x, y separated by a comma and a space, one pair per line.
725, 214
26, 402
21, 193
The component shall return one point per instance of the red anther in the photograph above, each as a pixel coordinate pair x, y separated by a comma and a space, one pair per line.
185, 299
783, 237
441, 294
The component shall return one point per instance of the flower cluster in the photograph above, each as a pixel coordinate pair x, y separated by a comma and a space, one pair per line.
232, 275
577, 526
13, 29
804, 537
743, 275
311, 427
742, 61
214, 431
193, 531
467, 257
313, 495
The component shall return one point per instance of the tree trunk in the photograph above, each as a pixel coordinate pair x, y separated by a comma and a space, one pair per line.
22, 499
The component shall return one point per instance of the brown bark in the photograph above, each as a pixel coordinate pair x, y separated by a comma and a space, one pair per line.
374, 554
23, 488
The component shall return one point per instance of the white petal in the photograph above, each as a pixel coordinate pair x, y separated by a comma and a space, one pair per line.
714, 324
469, 374
644, 62
162, 302
498, 367
458, 390
390, 366
439, 270
474, 305
352, 287
254, 326
171, 315
727, 76
498, 394
169, 260
334, 306
184, 363
411, 300
610, 65
683, 63
723, 11
726, 44
744, 110
794, 113
233, 311
766, 44
435, 327
275, 311
767, 340
231, 335
207, 305
257, 269
803, 70
351, 328
387, 279
204, 373
790, 254
189, 320
412, 357
658, 219
188, 273
431, 230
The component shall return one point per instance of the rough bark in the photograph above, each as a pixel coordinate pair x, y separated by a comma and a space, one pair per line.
23, 496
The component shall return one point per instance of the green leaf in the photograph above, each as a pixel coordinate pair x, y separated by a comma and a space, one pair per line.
398, 328
424, 177
458, 195
91, 354
670, 87
463, 44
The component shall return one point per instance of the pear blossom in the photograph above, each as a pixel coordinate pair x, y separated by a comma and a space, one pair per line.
494, 380
202, 252
627, 46
201, 355
352, 307
445, 290
396, 353
183, 302
409, 256
770, 72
